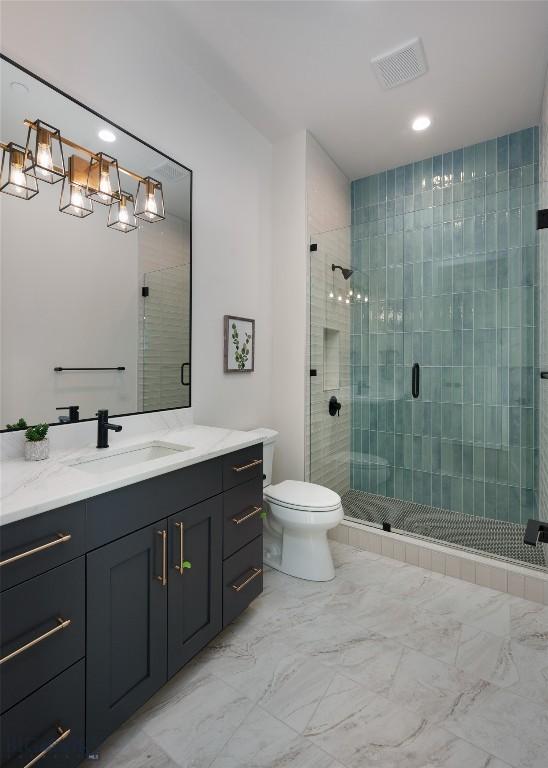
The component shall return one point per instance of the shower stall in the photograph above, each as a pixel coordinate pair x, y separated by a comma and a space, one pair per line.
431, 349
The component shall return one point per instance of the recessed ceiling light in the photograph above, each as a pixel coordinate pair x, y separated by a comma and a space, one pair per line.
421, 123
19, 87
106, 135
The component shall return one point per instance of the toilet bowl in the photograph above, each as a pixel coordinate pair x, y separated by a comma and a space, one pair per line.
298, 517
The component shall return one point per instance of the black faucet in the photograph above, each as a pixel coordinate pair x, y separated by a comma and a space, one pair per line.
73, 414
103, 427
536, 531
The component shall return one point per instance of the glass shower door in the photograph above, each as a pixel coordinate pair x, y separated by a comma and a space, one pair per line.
165, 352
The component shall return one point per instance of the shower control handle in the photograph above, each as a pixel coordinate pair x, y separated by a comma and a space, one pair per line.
416, 380
334, 406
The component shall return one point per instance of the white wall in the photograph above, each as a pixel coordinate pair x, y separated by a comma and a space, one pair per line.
57, 275
126, 61
289, 305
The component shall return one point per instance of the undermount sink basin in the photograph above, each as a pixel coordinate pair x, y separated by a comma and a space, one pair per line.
128, 457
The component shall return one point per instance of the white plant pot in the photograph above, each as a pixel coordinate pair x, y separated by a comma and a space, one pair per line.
36, 450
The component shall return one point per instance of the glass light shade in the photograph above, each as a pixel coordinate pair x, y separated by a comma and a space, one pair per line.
13, 180
44, 153
103, 184
121, 215
74, 200
149, 204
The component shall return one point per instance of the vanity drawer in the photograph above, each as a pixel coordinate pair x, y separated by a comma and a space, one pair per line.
241, 466
36, 544
41, 630
242, 579
113, 515
242, 515
50, 724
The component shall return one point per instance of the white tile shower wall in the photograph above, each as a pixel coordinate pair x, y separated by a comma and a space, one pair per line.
483, 571
543, 355
327, 438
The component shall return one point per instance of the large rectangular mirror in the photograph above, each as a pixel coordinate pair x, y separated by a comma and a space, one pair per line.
93, 316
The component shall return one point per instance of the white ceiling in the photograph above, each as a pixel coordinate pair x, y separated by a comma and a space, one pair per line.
292, 65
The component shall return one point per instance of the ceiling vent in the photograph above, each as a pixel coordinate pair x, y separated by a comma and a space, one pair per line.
400, 65
169, 172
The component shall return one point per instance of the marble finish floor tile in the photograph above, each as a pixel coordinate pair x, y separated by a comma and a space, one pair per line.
363, 729
387, 666
264, 742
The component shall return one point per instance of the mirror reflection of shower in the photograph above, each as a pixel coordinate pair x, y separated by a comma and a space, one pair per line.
349, 294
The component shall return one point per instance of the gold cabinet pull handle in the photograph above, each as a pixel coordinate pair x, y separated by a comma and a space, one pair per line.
163, 577
63, 734
243, 467
180, 568
61, 539
245, 582
61, 624
252, 512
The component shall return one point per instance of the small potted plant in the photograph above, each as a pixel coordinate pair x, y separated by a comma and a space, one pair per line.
37, 444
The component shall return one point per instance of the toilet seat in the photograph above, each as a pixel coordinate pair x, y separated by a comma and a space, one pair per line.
306, 497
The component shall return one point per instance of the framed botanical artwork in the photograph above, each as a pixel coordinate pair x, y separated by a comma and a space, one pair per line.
239, 344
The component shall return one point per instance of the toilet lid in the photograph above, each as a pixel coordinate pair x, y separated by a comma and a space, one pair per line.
299, 495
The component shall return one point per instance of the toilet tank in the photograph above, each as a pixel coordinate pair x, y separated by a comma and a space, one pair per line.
268, 436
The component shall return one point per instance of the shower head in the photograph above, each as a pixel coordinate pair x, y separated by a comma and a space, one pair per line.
346, 273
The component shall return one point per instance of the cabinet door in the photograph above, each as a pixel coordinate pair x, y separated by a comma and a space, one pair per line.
126, 628
194, 593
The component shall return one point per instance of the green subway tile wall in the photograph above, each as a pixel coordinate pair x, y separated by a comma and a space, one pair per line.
446, 269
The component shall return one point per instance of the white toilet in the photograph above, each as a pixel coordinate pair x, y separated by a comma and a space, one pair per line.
298, 517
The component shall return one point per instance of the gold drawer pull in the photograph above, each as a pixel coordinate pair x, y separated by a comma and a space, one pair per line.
62, 736
243, 467
61, 624
252, 512
61, 539
163, 577
239, 587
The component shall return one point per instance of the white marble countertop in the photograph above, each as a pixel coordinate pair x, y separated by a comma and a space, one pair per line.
31, 487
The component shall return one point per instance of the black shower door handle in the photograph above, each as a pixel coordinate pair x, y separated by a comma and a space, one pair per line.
416, 380
183, 382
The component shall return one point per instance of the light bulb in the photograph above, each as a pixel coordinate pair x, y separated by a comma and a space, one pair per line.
339, 298
358, 296
151, 208
348, 301
123, 215
365, 299
350, 292
331, 294
18, 179
76, 198
44, 159
105, 187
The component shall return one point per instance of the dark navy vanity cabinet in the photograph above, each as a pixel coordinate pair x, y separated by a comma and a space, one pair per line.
104, 600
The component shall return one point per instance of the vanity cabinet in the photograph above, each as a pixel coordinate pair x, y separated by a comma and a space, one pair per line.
126, 629
112, 596
194, 593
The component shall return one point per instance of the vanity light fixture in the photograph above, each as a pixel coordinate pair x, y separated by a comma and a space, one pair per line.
73, 193
149, 203
13, 180
121, 215
103, 183
45, 159
85, 181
